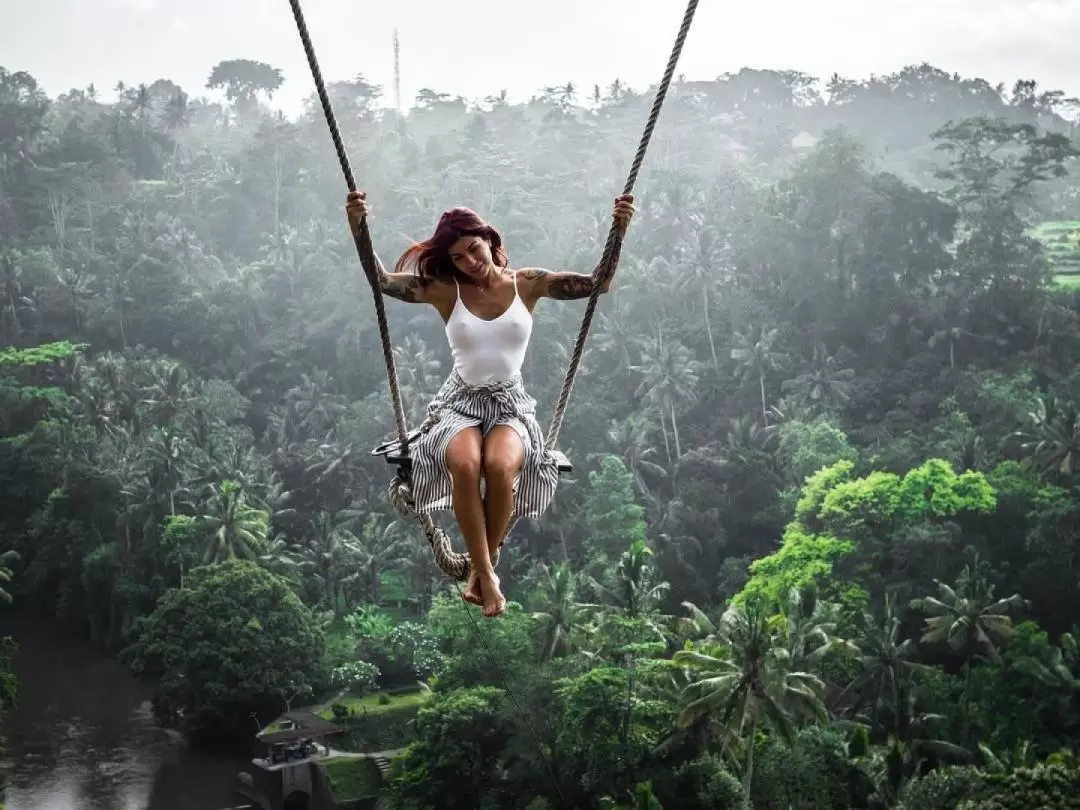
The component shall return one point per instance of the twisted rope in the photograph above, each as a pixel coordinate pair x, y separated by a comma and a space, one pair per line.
452, 563
364, 248
609, 259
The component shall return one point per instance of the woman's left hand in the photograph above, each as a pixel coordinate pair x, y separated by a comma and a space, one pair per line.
624, 209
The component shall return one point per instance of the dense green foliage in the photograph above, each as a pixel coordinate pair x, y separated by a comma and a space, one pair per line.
820, 546
235, 640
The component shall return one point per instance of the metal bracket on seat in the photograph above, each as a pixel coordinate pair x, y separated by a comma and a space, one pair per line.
391, 448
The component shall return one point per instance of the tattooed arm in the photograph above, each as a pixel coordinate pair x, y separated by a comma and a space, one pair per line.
564, 285
561, 285
568, 286
408, 287
403, 286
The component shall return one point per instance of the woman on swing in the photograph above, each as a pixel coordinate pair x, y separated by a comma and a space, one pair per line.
482, 423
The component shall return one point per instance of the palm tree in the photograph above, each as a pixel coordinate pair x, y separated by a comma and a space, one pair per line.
1053, 439
969, 619
418, 373
701, 262
824, 384
629, 439
810, 629
234, 528
559, 614
333, 556
381, 548
890, 704
6, 574
635, 588
757, 359
748, 679
670, 380
885, 659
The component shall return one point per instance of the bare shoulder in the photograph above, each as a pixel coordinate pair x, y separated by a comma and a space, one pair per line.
442, 295
529, 282
530, 276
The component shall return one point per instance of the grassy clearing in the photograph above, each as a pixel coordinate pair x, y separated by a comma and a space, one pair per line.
352, 778
377, 703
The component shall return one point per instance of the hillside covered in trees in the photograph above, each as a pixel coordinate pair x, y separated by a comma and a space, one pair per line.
821, 546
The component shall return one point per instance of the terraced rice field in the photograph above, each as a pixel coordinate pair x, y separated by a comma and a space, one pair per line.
1061, 239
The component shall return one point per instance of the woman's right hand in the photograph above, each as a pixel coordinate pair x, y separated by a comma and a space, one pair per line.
356, 207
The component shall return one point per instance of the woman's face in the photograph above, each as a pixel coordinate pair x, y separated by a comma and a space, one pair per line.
472, 256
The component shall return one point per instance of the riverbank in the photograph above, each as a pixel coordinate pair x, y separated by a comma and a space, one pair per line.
83, 736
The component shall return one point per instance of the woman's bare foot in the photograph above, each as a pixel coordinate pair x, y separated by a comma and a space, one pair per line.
473, 594
494, 601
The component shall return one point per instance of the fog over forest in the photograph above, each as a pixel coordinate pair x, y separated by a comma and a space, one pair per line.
820, 546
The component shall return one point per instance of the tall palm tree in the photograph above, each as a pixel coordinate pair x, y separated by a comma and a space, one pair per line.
969, 619
700, 268
333, 556
810, 629
559, 613
630, 440
748, 680
635, 587
670, 380
886, 661
382, 547
757, 359
419, 372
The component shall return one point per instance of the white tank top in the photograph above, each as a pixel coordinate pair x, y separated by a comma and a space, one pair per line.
489, 351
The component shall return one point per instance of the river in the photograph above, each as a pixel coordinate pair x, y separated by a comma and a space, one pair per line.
83, 736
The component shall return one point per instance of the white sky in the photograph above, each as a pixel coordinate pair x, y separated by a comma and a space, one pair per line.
479, 47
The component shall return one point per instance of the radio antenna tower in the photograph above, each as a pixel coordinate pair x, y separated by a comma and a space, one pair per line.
397, 73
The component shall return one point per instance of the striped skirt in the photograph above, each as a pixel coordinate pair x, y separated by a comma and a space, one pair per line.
458, 406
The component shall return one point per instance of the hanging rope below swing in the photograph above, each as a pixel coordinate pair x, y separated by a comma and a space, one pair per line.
396, 451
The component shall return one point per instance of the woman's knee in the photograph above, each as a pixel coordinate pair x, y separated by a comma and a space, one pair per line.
463, 455
503, 458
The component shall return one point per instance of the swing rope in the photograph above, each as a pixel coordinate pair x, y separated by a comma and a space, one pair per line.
455, 564
610, 258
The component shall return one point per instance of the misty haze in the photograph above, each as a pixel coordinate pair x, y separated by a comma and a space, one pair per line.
745, 476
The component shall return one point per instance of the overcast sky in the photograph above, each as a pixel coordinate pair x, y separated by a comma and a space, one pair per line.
521, 45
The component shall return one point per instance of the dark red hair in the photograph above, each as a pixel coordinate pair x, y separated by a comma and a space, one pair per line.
432, 256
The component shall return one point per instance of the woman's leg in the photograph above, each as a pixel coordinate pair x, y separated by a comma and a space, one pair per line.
502, 459
463, 459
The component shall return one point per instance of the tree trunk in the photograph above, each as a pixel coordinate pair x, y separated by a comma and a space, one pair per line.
664, 430
675, 432
764, 410
708, 330
964, 709
748, 773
